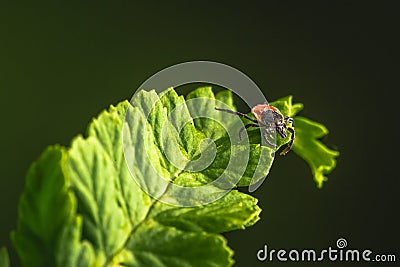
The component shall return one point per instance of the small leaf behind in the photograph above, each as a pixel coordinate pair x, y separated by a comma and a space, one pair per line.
45, 213
320, 158
4, 259
307, 145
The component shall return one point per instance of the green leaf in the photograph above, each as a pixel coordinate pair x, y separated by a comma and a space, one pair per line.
157, 245
234, 211
4, 259
46, 213
104, 223
307, 145
88, 205
72, 250
81, 207
320, 158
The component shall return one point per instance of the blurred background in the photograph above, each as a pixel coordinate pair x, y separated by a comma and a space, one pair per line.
61, 64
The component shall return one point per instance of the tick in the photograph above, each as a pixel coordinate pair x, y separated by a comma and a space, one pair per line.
272, 120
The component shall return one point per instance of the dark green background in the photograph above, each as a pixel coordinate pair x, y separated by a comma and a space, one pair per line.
61, 64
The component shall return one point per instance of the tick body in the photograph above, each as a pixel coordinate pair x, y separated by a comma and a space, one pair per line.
272, 120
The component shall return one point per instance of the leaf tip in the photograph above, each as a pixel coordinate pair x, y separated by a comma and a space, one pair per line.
4, 257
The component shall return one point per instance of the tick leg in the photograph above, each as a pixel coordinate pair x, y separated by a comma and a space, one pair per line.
290, 120
237, 113
289, 147
245, 127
